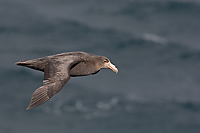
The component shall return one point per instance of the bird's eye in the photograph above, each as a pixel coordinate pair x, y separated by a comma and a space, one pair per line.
106, 60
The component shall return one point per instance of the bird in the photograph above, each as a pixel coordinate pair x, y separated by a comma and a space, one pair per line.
59, 68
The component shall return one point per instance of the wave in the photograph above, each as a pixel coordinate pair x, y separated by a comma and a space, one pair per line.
142, 9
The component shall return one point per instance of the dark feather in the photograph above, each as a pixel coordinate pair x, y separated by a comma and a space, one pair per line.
55, 77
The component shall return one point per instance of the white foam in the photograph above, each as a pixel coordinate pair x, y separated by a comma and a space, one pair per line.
155, 38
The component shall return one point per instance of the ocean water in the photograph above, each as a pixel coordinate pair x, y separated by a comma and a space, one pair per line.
154, 44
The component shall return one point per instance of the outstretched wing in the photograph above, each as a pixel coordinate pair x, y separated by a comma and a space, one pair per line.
56, 75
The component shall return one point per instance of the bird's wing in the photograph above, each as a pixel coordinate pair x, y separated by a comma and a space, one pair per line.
56, 75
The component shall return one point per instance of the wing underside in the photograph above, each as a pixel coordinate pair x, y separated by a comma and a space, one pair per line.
56, 75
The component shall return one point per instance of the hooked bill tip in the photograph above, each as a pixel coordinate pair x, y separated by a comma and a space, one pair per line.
113, 68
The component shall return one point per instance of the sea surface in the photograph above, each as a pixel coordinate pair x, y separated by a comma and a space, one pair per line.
155, 44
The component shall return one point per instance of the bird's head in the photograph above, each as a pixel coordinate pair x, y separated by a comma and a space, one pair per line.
104, 62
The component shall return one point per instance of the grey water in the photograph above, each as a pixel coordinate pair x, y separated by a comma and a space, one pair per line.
154, 44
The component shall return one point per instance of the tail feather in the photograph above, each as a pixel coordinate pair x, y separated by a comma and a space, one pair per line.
22, 63
34, 64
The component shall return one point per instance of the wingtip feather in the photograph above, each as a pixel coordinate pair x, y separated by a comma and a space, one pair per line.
28, 108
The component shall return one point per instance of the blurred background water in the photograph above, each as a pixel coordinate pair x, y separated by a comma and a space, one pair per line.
154, 43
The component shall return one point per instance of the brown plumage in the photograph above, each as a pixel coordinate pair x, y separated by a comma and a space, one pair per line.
59, 68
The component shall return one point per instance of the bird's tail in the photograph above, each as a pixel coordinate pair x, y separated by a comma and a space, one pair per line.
23, 63
37, 65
